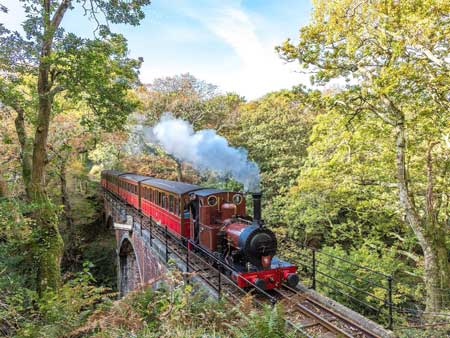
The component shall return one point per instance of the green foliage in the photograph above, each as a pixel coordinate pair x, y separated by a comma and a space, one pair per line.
54, 313
191, 99
275, 130
268, 324
390, 168
57, 313
346, 192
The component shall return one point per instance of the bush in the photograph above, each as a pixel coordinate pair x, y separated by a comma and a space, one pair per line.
56, 313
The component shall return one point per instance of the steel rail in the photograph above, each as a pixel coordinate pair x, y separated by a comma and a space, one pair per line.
315, 316
349, 322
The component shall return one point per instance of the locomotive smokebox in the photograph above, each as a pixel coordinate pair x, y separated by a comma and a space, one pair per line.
257, 209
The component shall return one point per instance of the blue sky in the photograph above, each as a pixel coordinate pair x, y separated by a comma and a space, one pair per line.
226, 42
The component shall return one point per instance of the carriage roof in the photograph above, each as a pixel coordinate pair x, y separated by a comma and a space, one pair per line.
111, 172
134, 177
171, 186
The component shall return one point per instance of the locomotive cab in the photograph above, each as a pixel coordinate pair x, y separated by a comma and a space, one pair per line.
209, 209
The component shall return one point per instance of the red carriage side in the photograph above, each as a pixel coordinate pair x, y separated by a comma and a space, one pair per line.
166, 203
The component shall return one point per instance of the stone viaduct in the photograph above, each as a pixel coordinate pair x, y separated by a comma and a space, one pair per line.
141, 257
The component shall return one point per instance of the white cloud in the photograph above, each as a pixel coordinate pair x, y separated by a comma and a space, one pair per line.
261, 70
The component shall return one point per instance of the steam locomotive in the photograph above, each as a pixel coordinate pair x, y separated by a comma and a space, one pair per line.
213, 218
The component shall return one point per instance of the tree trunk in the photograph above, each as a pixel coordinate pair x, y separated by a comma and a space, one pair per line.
437, 272
48, 241
25, 148
179, 170
49, 244
431, 235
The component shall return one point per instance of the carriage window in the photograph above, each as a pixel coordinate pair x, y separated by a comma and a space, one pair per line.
164, 201
171, 208
177, 206
150, 193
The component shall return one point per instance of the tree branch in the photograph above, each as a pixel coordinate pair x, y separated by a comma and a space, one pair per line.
430, 205
59, 14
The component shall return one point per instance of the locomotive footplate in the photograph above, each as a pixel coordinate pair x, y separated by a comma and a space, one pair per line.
279, 272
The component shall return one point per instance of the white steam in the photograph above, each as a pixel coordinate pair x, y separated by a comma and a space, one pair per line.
204, 150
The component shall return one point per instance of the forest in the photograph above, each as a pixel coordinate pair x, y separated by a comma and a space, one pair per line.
357, 165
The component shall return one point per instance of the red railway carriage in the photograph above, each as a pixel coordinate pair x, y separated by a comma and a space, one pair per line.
167, 203
110, 180
129, 188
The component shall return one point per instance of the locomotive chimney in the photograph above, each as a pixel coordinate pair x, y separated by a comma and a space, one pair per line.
257, 209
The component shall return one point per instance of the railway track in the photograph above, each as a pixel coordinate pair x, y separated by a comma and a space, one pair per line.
307, 316
304, 314
317, 319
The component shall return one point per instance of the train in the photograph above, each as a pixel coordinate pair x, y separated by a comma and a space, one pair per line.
216, 220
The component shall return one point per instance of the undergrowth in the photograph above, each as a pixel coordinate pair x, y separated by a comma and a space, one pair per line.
168, 308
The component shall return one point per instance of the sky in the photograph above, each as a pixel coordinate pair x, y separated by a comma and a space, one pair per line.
229, 43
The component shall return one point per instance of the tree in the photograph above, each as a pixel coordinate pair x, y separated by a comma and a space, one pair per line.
275, 129
192, 100
48, 64
394, 55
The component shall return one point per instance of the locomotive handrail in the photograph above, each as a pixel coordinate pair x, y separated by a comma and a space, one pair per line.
244, 220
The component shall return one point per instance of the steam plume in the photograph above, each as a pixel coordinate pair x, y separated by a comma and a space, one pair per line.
205, 150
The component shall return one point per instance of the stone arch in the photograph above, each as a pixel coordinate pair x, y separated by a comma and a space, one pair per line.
129, 274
